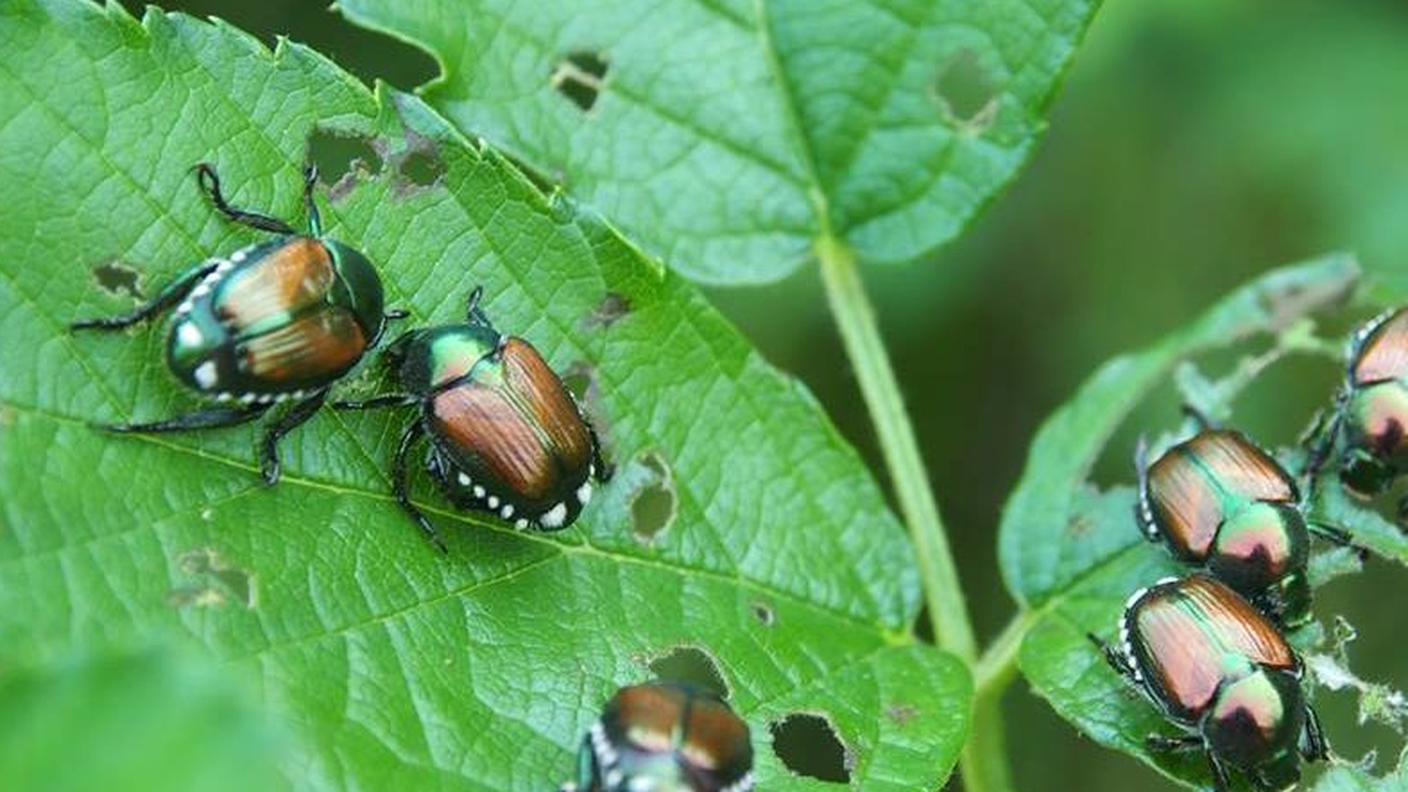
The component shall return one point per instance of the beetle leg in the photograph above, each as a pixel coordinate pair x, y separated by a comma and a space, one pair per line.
213, 418
1183, 743
210, 182
310, 181
1313, 745
1322, 436
378, 402
400, 485
1220, 782
1115, 658
169, 296
604, 469
300, 412
395, 314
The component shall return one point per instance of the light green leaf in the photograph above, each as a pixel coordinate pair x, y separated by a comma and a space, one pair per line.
1052, 506
401, 667
1073, 555
150, 721
728, 136
1348, 778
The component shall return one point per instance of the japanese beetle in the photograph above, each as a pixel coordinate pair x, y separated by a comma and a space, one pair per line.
280, 320
1220, 502
1222, 672
1371, 412
507, 437
665, 737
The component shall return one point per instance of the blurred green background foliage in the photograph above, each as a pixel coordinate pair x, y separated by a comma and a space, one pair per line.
1195, 144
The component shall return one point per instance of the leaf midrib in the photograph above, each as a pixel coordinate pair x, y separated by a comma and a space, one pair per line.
888, 636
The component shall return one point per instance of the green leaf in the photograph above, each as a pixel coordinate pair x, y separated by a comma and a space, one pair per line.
729, 136
150, 721
1073, 555
1052, 504
401, 667
1348, 778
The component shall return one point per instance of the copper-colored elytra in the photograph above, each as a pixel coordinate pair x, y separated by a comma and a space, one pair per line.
714, 736
319, 344
1189, 509
1241, 468
652, 712
534, 387
288, 279
490, 431
1384, 355
1191, 628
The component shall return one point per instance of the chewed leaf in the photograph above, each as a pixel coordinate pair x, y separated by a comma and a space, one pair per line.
402, 667
1035, 553
762, 127
1348, 778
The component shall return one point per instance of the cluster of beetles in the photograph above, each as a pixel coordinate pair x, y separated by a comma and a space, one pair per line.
286, 319
1208, 648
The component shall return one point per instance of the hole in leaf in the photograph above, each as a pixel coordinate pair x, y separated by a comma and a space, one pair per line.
965, 92
422, 168
653, 505
215, 582
764, 614
581, 77
924, 626
612, 309
340, 157
692, 665
577, 382
114, 277
807, 744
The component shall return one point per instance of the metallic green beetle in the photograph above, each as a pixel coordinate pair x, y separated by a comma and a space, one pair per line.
276, 321
1371, 412
1217, 668
665, 737
507, 437
1218, 501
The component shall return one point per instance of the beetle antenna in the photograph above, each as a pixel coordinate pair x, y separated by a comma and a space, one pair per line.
310, 181
475, 313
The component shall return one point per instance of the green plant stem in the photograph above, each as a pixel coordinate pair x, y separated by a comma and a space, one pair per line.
995, 670
984, 761
861, 335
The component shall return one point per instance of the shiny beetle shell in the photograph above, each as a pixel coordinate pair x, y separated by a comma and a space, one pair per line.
1219, 501
1187, 636
1373, 409
665, 737
1225, 674
276, 318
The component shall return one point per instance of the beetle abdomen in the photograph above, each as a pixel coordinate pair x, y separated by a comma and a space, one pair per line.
1189, 635
516, 434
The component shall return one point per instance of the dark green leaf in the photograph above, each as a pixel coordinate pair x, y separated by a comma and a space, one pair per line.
153, 721
730, 135
403, 667
1052, 505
